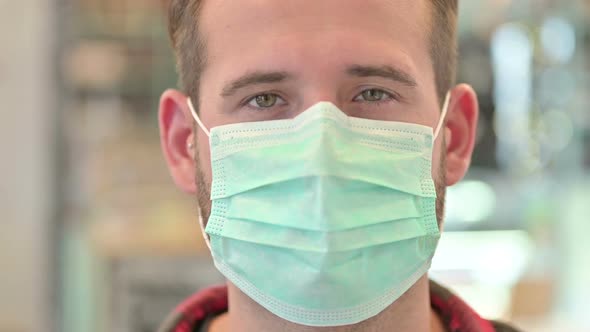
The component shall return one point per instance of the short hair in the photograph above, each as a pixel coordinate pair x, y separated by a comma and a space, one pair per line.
190, 49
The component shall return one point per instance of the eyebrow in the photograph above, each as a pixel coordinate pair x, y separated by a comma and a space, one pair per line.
387, 72
261, 77
257, 77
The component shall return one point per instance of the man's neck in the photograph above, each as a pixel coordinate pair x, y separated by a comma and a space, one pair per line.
410, 313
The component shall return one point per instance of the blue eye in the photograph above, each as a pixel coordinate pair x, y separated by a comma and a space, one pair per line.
373, 95
265, 100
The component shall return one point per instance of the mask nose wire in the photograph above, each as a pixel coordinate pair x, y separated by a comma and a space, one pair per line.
443, 115
196, 116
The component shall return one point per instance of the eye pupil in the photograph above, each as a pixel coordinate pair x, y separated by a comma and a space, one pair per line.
373, 95
266, 100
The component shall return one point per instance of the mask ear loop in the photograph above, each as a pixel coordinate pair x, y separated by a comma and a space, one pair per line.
196, 116
205, 236
443, 115
200, 123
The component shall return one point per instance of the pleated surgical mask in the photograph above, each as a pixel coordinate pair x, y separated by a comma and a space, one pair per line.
323, 219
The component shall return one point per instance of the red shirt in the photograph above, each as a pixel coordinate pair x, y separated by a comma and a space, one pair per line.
194, 314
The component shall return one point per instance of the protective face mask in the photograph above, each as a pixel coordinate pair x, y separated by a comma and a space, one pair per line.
323, 219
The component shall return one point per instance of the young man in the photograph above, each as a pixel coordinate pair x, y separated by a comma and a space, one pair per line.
319, 137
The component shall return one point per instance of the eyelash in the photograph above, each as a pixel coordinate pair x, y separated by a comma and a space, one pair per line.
246, 102
390, 97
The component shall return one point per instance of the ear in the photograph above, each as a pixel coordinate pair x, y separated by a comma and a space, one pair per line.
460, 130
176, 133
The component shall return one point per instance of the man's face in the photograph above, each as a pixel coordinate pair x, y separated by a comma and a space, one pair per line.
311, 51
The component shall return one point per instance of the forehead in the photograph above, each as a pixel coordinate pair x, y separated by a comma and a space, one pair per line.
290, 33
372, 14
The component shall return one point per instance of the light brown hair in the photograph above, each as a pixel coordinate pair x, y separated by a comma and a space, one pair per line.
190, 51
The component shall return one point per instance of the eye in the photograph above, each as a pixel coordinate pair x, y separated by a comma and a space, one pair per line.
373, 95
265, 100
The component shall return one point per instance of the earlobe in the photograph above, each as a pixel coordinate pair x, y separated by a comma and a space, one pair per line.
176, 134
460, 130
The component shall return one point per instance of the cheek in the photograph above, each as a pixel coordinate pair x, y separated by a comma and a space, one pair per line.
437, 160
204, 156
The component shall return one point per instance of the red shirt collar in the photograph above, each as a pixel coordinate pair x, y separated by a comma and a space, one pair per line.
456, 315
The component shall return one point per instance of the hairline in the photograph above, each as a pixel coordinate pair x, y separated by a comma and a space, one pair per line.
444, 73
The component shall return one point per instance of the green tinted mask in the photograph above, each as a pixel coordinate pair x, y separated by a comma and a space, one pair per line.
323, 219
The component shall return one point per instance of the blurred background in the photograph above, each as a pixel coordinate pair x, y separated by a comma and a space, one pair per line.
94, 237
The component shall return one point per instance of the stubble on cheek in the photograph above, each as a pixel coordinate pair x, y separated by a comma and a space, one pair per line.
203, 189
441, 189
